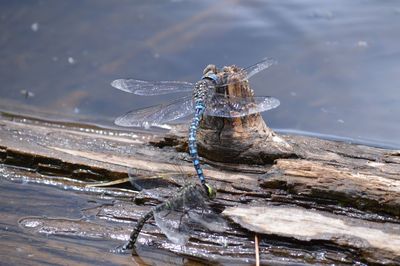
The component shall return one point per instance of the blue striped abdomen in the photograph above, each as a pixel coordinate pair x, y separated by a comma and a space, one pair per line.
192, 139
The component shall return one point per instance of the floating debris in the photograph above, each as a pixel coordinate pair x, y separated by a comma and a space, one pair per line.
331, 43
27, 94
35, 26
322, 14
71, 60
362, 44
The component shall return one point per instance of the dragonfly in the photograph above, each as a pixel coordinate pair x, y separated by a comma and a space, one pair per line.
205, 99
169, 215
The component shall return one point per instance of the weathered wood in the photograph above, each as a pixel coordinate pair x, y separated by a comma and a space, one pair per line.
368, 189
354, 186
312, 225
241, 139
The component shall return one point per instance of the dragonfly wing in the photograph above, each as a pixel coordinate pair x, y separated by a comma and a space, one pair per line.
248, 72
174, 225
149, 88
158, 114
260, 66
230, 106
209, 220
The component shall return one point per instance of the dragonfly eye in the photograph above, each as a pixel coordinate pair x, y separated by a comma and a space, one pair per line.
210, 68
211, 192
212, 76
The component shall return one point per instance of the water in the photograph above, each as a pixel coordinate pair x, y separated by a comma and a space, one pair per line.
337, 72
18, 247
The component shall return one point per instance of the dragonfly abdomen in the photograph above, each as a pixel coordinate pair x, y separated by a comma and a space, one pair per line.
135, 233
200, 107
202, 88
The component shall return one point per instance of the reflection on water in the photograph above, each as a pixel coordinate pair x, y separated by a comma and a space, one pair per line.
338, 70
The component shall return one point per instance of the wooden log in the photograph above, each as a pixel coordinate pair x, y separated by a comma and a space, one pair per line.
373, 189
312, 225
354, 186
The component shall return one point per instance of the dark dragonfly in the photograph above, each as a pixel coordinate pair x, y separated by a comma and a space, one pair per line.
205, 100
169, 215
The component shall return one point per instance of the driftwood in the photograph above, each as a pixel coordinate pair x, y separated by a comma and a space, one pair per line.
334, 203
306, 200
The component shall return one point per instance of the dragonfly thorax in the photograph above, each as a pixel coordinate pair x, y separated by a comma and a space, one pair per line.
202, 88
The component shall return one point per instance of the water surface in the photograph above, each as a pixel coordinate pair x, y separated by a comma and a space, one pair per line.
338, 70
18, 247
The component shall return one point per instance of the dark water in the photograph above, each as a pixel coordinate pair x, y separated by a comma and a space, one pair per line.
338, 72
18, 247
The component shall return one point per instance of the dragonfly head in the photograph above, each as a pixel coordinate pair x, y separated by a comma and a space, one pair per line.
211, 192
210, 73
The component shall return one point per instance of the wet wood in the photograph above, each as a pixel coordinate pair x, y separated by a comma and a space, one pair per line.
331, 202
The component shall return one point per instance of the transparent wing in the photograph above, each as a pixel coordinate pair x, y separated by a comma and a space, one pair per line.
149, 88
158, 114
186, 210
248, 72
258, 67
210, 220
230, 106
174, 225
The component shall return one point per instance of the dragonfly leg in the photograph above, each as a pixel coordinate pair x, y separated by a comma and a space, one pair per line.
185, 213
180, 220
168, 212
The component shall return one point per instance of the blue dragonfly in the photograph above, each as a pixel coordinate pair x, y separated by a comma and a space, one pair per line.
205, 99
